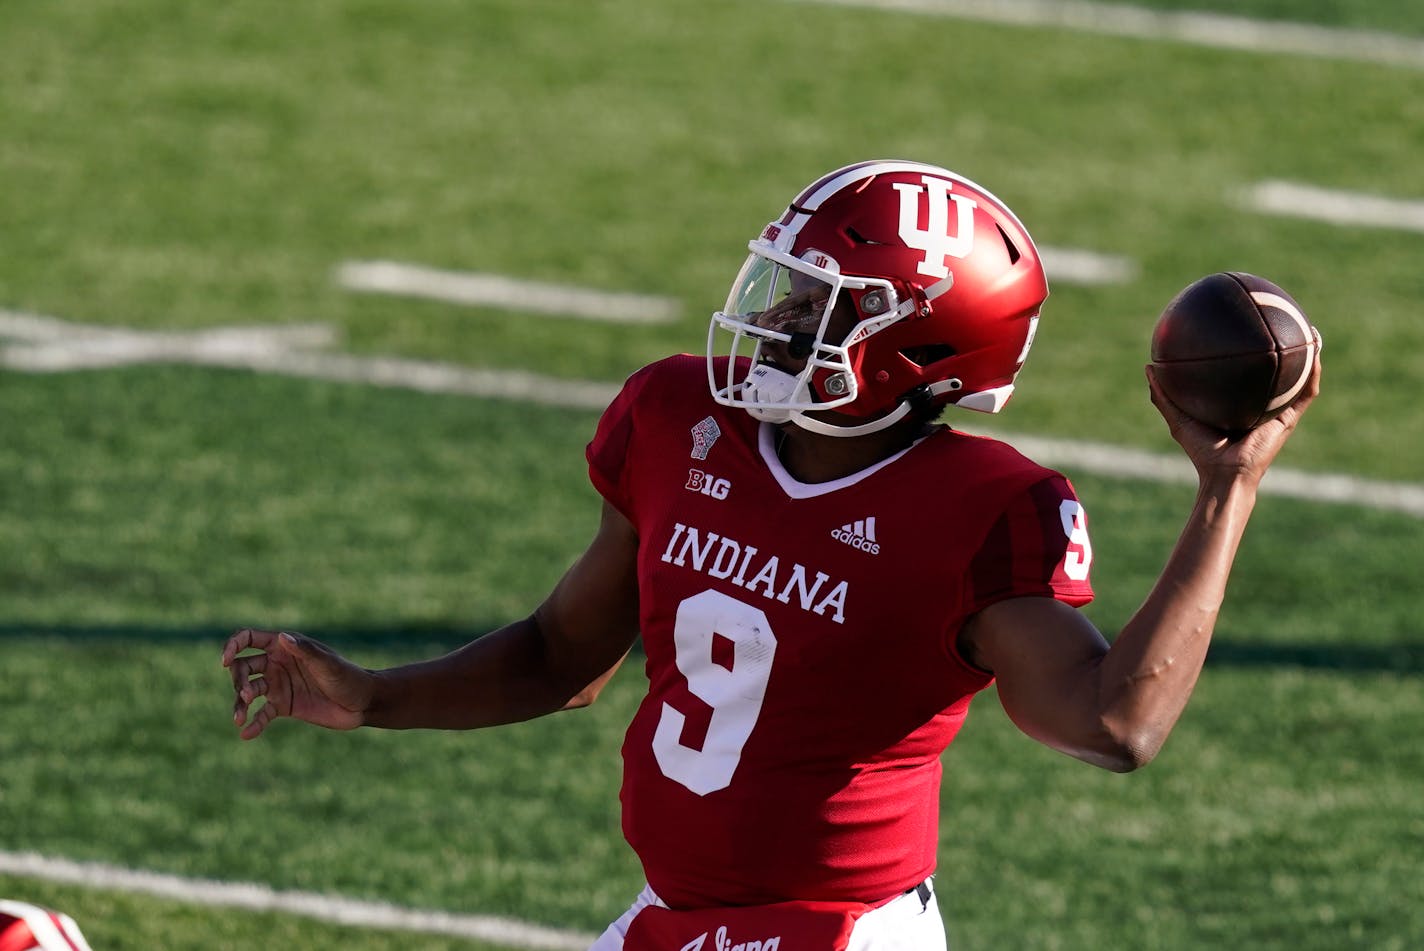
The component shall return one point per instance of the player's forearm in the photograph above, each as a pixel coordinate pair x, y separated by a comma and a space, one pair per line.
504, 677
1147, 677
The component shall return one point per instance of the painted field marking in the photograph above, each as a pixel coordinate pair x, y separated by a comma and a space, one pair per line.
257, 897
1120, 462
1074, 266
49, 345
1296, 200
1065, 265
1218, 31
493, 290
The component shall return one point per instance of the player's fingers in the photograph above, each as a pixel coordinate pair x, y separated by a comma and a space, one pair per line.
1154, 388
1149, 371
247, 694
244, 668
1193, 436
294, 643
258, 723
244, 638
1307, 395
254, 688
252, 664
1169, 410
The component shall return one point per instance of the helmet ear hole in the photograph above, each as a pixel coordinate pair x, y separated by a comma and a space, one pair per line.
928, 354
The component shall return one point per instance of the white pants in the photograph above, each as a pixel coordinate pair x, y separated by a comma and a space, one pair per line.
905, 924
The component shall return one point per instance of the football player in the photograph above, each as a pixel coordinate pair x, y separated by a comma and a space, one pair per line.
823, 576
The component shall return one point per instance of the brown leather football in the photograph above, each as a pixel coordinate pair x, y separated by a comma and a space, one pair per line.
1233, 350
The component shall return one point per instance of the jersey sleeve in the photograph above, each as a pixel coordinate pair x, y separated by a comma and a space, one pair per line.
612, 443
1038, 547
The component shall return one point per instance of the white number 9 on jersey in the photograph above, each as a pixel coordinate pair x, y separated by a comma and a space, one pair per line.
1080, 550
735, 694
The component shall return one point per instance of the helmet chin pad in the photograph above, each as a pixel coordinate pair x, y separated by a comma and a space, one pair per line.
767, 384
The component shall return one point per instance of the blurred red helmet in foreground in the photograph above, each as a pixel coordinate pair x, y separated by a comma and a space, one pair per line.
25, 927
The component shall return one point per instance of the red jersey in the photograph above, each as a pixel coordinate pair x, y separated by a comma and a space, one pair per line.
803, 677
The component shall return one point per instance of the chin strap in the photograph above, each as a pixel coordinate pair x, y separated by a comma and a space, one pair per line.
918, 396
874, 426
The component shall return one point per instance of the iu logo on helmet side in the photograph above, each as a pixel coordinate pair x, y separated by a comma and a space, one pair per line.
934, 239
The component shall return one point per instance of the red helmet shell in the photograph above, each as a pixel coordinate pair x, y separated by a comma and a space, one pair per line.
946, 244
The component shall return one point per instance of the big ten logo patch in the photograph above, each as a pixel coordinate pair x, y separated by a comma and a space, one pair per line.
709, 485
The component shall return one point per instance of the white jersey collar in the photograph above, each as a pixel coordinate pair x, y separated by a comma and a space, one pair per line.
766, 439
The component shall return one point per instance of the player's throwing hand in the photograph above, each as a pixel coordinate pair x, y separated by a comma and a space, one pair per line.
1212, 451
299, 677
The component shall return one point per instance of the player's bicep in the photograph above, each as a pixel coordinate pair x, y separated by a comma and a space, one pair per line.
1045, 656
590, 620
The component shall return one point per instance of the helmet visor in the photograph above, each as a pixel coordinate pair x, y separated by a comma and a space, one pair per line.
776, 313
771, 296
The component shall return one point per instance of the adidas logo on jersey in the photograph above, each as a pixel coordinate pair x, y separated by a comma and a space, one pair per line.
858, 534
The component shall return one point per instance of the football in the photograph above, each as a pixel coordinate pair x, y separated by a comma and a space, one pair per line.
1232, 350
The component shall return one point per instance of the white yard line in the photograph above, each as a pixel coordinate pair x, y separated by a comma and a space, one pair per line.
1199, 29
1065, 265
256, 897
493, 290
1333, 206
48, 345
1101, 459
1074, 266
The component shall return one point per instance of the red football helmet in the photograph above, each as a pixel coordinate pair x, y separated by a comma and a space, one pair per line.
938, 281
26, 927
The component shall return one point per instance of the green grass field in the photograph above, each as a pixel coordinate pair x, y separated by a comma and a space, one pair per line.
177, 167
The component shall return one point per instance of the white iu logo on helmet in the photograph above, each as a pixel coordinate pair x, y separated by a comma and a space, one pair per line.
935, 240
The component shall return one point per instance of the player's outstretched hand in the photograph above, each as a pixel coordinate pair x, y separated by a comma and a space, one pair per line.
299, 677
1248, 455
